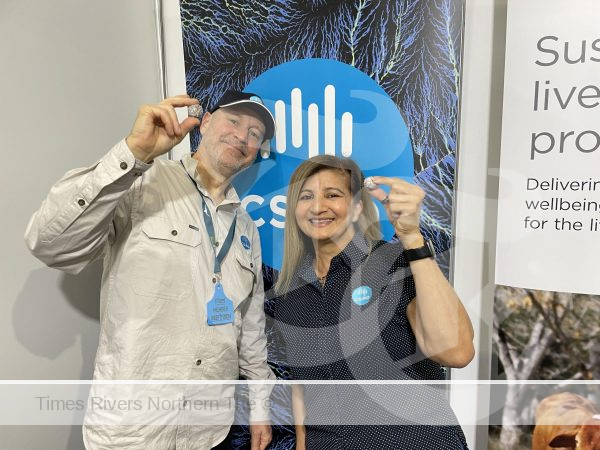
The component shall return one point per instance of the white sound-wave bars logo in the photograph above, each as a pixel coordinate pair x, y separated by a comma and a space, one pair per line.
296, 124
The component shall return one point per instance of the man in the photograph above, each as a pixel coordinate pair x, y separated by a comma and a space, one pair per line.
182, 291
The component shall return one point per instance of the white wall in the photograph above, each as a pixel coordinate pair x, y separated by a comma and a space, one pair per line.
73, 74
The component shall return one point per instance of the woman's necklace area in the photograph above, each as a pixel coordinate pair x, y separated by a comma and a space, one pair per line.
325, 266
322, 280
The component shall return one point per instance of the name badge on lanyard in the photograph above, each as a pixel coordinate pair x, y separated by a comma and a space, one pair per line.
219, 310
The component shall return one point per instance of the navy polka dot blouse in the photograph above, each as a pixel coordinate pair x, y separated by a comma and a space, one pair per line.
354, 327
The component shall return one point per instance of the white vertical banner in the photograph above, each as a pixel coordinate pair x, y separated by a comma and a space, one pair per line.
548, 234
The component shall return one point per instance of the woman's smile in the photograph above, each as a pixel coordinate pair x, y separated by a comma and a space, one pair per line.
326, 211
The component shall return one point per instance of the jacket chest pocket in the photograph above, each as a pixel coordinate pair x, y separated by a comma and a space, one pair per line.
168, 254
241, 284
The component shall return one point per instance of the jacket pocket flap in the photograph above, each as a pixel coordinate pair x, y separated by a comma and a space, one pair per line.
162, 229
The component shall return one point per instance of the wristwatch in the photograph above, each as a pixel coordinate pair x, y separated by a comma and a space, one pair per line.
414, 254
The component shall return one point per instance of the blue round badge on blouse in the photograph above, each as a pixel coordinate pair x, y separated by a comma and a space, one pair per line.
245, 242
361, 295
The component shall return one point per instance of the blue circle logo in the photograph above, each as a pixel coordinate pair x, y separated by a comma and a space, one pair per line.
245, 242
320, 106
361, 295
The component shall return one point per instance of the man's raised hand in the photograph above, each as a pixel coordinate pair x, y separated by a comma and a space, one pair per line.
157, 129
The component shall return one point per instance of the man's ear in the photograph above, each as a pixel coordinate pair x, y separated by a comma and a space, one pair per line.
206, 118
265, 148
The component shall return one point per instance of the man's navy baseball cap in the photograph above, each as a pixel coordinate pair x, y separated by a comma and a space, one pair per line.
249, 100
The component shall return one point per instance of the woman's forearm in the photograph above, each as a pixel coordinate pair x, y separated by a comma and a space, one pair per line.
439, 320
299, 412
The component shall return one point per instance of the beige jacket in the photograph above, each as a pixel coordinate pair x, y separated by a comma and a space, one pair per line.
145, 221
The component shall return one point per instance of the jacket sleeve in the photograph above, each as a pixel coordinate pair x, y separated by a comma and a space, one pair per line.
252, 343
84, 210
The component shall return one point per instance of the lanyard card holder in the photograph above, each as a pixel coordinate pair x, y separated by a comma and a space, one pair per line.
219, 309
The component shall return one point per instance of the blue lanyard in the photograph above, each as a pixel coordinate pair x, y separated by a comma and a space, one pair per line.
210, 229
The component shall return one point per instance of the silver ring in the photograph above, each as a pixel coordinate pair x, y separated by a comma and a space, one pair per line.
385, 200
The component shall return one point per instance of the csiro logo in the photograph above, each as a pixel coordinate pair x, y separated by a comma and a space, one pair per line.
320, 106
361, 295
245, 242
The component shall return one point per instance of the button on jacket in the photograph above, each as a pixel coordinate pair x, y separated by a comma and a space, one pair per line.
145, 222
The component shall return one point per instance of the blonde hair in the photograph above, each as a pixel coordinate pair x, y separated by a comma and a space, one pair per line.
296, 244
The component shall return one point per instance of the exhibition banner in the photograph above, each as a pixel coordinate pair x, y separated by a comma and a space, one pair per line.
375, 81
546, 307
378, 82
549, 197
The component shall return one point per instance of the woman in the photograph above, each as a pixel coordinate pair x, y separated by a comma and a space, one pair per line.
350, 306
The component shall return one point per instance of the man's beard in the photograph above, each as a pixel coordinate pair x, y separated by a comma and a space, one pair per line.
231, 168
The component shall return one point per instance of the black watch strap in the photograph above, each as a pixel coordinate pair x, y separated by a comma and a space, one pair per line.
414, 254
